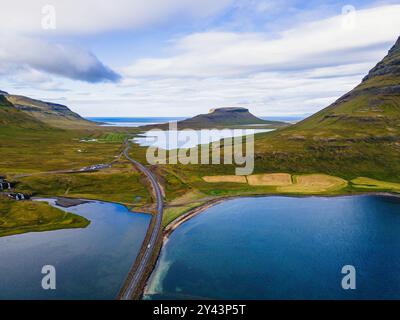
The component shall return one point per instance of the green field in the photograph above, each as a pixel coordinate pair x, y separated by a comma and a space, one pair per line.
121, 184
28, 216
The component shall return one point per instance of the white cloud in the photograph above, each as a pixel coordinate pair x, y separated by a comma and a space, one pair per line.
22, 44
318, 44
264, 93
93, 16
18, 52
299, 71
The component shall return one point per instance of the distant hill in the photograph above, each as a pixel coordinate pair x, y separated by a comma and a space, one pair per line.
53, 114
358, 135
225, 118
12, 117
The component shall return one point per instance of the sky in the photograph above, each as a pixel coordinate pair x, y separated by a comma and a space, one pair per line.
133, 58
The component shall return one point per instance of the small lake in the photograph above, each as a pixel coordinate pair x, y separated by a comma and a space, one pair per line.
177, 139
91, 263
283, 248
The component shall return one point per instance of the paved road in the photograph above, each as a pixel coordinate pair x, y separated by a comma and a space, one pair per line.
131, 287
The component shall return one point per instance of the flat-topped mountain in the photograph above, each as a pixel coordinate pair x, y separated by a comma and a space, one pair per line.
226, 118
53, 114
358, 135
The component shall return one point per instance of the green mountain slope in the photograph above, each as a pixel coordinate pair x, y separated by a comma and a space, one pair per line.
53, 114
12, 117
374, 104
358, 135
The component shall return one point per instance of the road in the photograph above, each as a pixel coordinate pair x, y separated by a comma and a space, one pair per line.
132, 286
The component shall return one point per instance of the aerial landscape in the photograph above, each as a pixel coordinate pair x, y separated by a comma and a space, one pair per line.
245, 150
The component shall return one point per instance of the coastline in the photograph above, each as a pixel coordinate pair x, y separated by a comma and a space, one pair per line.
173, 225
79, 201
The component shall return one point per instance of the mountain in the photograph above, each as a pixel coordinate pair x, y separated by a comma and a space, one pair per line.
374, 105
53, 114
358, 135
225, 118
12, 117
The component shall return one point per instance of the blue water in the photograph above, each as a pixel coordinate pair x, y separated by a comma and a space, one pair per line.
142, 121
91, 263
284, 248
287, 118
134, 122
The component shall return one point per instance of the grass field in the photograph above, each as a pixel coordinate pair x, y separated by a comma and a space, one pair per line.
271, 179
232, 179
27, 216
36, 152
372, 184
171, 213
285, 183
314, 183
120, 183
26, 151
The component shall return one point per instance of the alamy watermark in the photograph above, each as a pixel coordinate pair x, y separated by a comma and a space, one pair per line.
349, 280
49, 280
49, 17
206, 146
349, 17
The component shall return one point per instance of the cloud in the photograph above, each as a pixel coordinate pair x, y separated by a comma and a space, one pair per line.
264, 93
58, 59
317, 44
94, 16
24, 45
294, 71
299, 71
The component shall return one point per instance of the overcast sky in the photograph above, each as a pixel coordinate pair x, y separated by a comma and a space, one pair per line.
184, 57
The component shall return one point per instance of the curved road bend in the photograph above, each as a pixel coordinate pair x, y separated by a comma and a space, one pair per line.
134, 282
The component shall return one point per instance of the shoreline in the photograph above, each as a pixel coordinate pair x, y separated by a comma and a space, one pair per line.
87, 200
173, 225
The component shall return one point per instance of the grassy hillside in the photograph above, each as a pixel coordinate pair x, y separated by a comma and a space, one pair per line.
53, 114
358, 135
11, 117
27, 216
119, 184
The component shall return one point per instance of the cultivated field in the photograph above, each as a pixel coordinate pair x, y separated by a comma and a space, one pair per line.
233, 179
271, 179
314, 183
368, 183
285, 183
